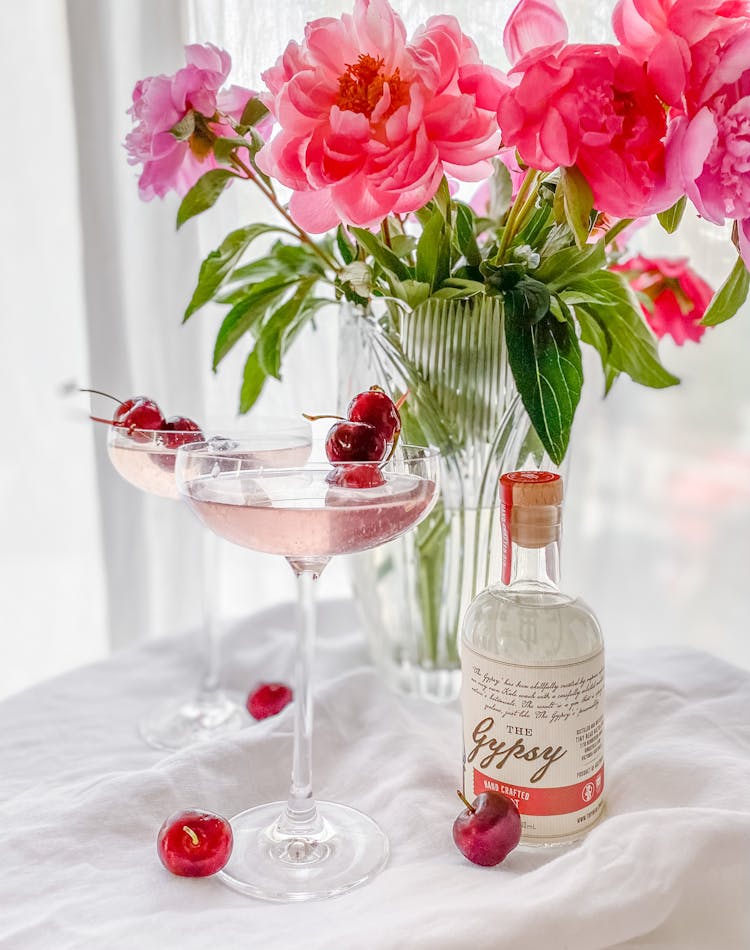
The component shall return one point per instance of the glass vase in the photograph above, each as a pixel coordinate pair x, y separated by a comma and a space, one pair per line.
449, 357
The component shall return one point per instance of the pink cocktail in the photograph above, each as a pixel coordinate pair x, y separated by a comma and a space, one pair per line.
146, 459
299, 515
302, 849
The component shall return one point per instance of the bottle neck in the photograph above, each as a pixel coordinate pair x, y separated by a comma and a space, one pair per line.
531, 545
533, 567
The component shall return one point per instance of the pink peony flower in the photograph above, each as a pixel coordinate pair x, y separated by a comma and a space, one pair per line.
664, 34
531, 25
709, 146
161, 102
593, 107
678, 296
370, 123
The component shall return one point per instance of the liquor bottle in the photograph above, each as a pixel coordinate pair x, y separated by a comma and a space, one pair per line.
533, 677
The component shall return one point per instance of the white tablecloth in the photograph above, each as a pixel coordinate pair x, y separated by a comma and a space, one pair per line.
81, 800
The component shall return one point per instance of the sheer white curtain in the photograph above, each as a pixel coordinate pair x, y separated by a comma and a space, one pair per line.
657, 529
93, 283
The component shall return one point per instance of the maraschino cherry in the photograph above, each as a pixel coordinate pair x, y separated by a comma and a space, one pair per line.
268, 700
356, 476
376, 408
177, 431
194, 843
487, 830
355, 442
145, 415
125, 406
373, 424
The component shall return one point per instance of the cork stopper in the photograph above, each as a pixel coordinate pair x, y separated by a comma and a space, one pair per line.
531, 504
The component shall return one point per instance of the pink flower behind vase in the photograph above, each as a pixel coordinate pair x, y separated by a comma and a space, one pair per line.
678, 297
371, 123
161, 102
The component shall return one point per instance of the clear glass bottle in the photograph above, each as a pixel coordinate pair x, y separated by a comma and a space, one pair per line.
533, 677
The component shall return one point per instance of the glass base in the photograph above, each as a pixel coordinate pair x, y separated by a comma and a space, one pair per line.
410, 679
347, 850
180, 723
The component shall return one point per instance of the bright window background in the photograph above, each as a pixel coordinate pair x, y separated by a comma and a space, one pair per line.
92, 287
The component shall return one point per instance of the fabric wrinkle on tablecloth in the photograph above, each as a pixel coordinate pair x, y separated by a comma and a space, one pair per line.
81, 800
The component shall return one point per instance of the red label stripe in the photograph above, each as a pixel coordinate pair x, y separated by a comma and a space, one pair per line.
545, 801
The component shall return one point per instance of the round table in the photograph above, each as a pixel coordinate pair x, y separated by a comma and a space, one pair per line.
82, 799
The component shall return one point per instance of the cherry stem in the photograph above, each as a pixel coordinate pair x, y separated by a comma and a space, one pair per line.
463, 798
315, 418
192, 835
98, 392
393, 447
402, 400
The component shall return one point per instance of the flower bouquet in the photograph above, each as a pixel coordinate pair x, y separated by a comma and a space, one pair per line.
477, 307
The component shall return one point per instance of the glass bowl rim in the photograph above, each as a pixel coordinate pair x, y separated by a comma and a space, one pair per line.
419, 453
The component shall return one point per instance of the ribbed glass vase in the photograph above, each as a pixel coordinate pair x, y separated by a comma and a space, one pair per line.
450, 356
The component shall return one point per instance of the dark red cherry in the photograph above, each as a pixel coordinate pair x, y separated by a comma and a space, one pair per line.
376, 408
488, 829
127, 406
143, 414
177, 431
268, 700
356, 476
355, 442
194, 843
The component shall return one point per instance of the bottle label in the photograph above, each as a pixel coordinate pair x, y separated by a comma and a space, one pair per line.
535, 733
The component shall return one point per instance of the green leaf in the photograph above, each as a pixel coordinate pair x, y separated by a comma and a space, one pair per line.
382, 254
562, 268
253, 112
528, 301
467, 241
610, 377
593, 333
347, 250
217, 267
203, 194
185, 127
670, 219
546, 362
632, 345
442, 198
577, 201
246, 313
253, 381
269, 342
433, 253
403, 245
729, 297
501, 190
415, 292
225, 146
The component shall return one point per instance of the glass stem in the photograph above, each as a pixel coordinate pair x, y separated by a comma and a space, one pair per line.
208, 644
301, 816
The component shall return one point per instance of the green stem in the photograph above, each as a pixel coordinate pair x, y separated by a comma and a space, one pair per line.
386, 232
299, 232
525, 199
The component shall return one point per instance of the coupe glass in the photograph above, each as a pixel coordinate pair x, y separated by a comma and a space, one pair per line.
299, 849
142, 458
